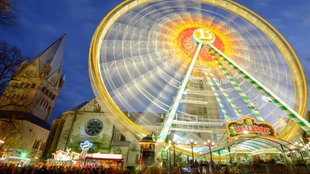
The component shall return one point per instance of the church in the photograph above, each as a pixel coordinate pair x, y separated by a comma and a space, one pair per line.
28, 101
90, 122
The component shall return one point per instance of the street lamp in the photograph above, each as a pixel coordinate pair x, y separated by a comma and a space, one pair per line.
192, 143
302, 149
173, 143
210, 144
169, 156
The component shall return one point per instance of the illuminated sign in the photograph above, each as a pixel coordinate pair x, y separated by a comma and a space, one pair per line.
204, 36
248, 126
61, 155
86, 145
104, 156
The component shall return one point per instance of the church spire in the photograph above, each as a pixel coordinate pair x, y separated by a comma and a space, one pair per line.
37, 84
53, 55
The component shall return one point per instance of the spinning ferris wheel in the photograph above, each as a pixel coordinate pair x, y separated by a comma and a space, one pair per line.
189, 67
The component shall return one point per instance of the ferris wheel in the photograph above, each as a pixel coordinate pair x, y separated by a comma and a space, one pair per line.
186, 68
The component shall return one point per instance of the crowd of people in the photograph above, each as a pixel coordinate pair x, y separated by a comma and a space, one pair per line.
15, 169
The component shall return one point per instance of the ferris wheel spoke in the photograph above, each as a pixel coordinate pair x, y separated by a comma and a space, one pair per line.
217, 97
122, 94
156, 96
154, 73
237, 110
172, 111
247, 101
292, 114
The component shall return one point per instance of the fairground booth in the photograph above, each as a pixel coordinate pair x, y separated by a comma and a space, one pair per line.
255, 146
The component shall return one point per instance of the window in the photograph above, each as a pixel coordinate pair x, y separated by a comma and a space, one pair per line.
42, 146
93, 127
123, 138
36, 144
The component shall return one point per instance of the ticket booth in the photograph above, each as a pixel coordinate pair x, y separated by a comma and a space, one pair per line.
147, 152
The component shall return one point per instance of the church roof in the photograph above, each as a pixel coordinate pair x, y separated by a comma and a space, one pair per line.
18, 115
53, 55
78, 107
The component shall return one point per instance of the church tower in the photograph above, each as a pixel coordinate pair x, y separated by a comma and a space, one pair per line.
27, 103
35, 86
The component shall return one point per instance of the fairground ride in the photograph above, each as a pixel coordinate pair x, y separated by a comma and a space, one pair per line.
183, 69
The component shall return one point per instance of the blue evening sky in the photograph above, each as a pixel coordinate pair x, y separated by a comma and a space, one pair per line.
41, 22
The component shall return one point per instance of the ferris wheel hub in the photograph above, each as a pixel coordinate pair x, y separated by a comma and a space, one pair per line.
204, 36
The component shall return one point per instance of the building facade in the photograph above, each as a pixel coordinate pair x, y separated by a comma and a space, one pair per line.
89, 121
27, 102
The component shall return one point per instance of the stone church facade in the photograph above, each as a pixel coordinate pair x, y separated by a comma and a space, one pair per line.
89, 121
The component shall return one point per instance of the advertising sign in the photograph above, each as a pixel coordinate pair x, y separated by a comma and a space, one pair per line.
248, 126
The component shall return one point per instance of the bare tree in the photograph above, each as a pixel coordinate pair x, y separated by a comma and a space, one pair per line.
10, 59
7, 16
4, 6
10, 134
